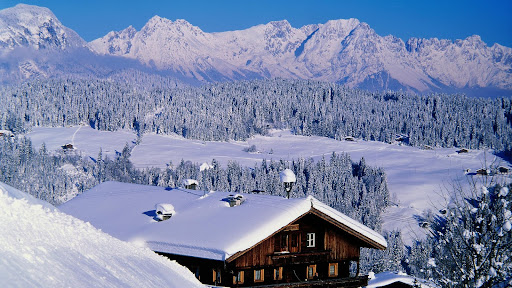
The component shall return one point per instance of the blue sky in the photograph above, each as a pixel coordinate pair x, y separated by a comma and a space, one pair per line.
455, 19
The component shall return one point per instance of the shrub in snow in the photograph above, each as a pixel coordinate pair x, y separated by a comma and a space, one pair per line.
251, 149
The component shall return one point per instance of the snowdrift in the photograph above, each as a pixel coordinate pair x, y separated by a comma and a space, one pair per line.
43, 247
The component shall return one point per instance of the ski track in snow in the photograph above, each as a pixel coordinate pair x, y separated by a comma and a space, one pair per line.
417, 179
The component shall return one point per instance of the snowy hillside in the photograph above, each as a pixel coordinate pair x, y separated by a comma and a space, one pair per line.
415, 177
347, 51
42, 247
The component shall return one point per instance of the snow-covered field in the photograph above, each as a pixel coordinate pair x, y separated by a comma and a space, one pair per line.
417, 178
42, 247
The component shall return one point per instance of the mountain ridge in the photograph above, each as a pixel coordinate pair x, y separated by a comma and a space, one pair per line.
344, 51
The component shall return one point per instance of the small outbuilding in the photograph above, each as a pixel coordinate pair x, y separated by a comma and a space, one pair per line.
6, 133
190, 184
68, 146
483, 172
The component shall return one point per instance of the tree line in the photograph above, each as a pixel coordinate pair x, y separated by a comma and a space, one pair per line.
239, 110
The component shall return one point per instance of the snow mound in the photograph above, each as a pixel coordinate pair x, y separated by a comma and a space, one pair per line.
43, 247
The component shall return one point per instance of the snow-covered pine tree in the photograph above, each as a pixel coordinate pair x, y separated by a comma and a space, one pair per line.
473, 238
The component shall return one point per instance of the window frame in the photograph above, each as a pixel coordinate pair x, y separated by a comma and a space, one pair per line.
217, 276
313, 268
311, 239
335, 274
278, 271
284, 242
262, 275
238, 278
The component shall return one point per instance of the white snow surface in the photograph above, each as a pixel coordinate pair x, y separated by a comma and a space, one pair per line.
387, 278
417, 179
42, 247
204, 226
287, 175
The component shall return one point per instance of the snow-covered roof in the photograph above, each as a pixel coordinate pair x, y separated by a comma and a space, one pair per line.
389, 278
188, 182
204, 225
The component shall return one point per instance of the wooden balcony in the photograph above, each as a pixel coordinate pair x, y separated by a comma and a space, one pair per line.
350, 282
281, 259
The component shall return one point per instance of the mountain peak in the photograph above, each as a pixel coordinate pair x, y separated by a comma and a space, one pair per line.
36, 27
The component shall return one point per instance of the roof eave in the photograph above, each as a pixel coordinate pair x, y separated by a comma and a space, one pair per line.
371, 243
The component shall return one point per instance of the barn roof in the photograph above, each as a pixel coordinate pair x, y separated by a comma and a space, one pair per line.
203, 226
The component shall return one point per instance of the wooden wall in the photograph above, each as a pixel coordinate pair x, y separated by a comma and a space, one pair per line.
342, 245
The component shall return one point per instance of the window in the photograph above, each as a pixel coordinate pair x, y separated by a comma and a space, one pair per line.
311, 239
333, 269
284, 242
238, 278
259, 275
278, 273
216, 276
312, 272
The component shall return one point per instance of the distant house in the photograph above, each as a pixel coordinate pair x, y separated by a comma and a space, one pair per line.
503, 170
402, 138
190, 184
68, 146
6, 133
234, 239
483, 172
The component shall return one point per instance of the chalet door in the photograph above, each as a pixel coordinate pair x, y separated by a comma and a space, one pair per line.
294, 242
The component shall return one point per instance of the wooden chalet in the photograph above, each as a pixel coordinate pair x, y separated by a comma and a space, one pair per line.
241, 240
68, 146
462, 150
483, 172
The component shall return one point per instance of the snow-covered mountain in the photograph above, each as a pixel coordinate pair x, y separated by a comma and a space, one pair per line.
342, 51
35, 27
43, 247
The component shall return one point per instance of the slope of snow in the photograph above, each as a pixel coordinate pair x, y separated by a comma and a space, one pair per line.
42, 247
202, 226
84, 139
416, 178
